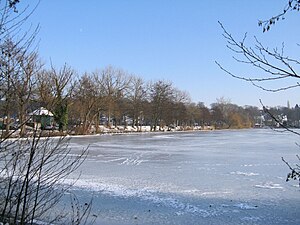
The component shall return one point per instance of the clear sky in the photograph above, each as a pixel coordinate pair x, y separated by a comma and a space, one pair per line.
175, 40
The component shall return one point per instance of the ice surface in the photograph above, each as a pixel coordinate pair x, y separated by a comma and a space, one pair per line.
217, 177
244, 173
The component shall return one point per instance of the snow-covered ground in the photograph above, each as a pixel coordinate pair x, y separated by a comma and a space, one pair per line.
216, 177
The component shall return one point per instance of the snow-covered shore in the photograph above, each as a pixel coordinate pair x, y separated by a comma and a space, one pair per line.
131, 129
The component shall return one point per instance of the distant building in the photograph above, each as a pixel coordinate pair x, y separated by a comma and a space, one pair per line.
42, 118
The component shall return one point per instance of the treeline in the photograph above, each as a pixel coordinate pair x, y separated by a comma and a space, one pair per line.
110, 96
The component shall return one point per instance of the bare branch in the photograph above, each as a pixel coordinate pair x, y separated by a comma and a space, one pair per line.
272, 63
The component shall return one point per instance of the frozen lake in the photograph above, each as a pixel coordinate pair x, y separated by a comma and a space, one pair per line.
215, 177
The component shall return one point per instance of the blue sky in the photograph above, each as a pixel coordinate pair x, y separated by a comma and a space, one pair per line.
175, 40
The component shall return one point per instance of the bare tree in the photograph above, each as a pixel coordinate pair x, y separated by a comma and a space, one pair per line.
86, 96
178, 114
137, 98
55, 88
24, 86
19, 71
160, 100
32, 182
16, 53
9, 68
198, 114
32, 170
115, 85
